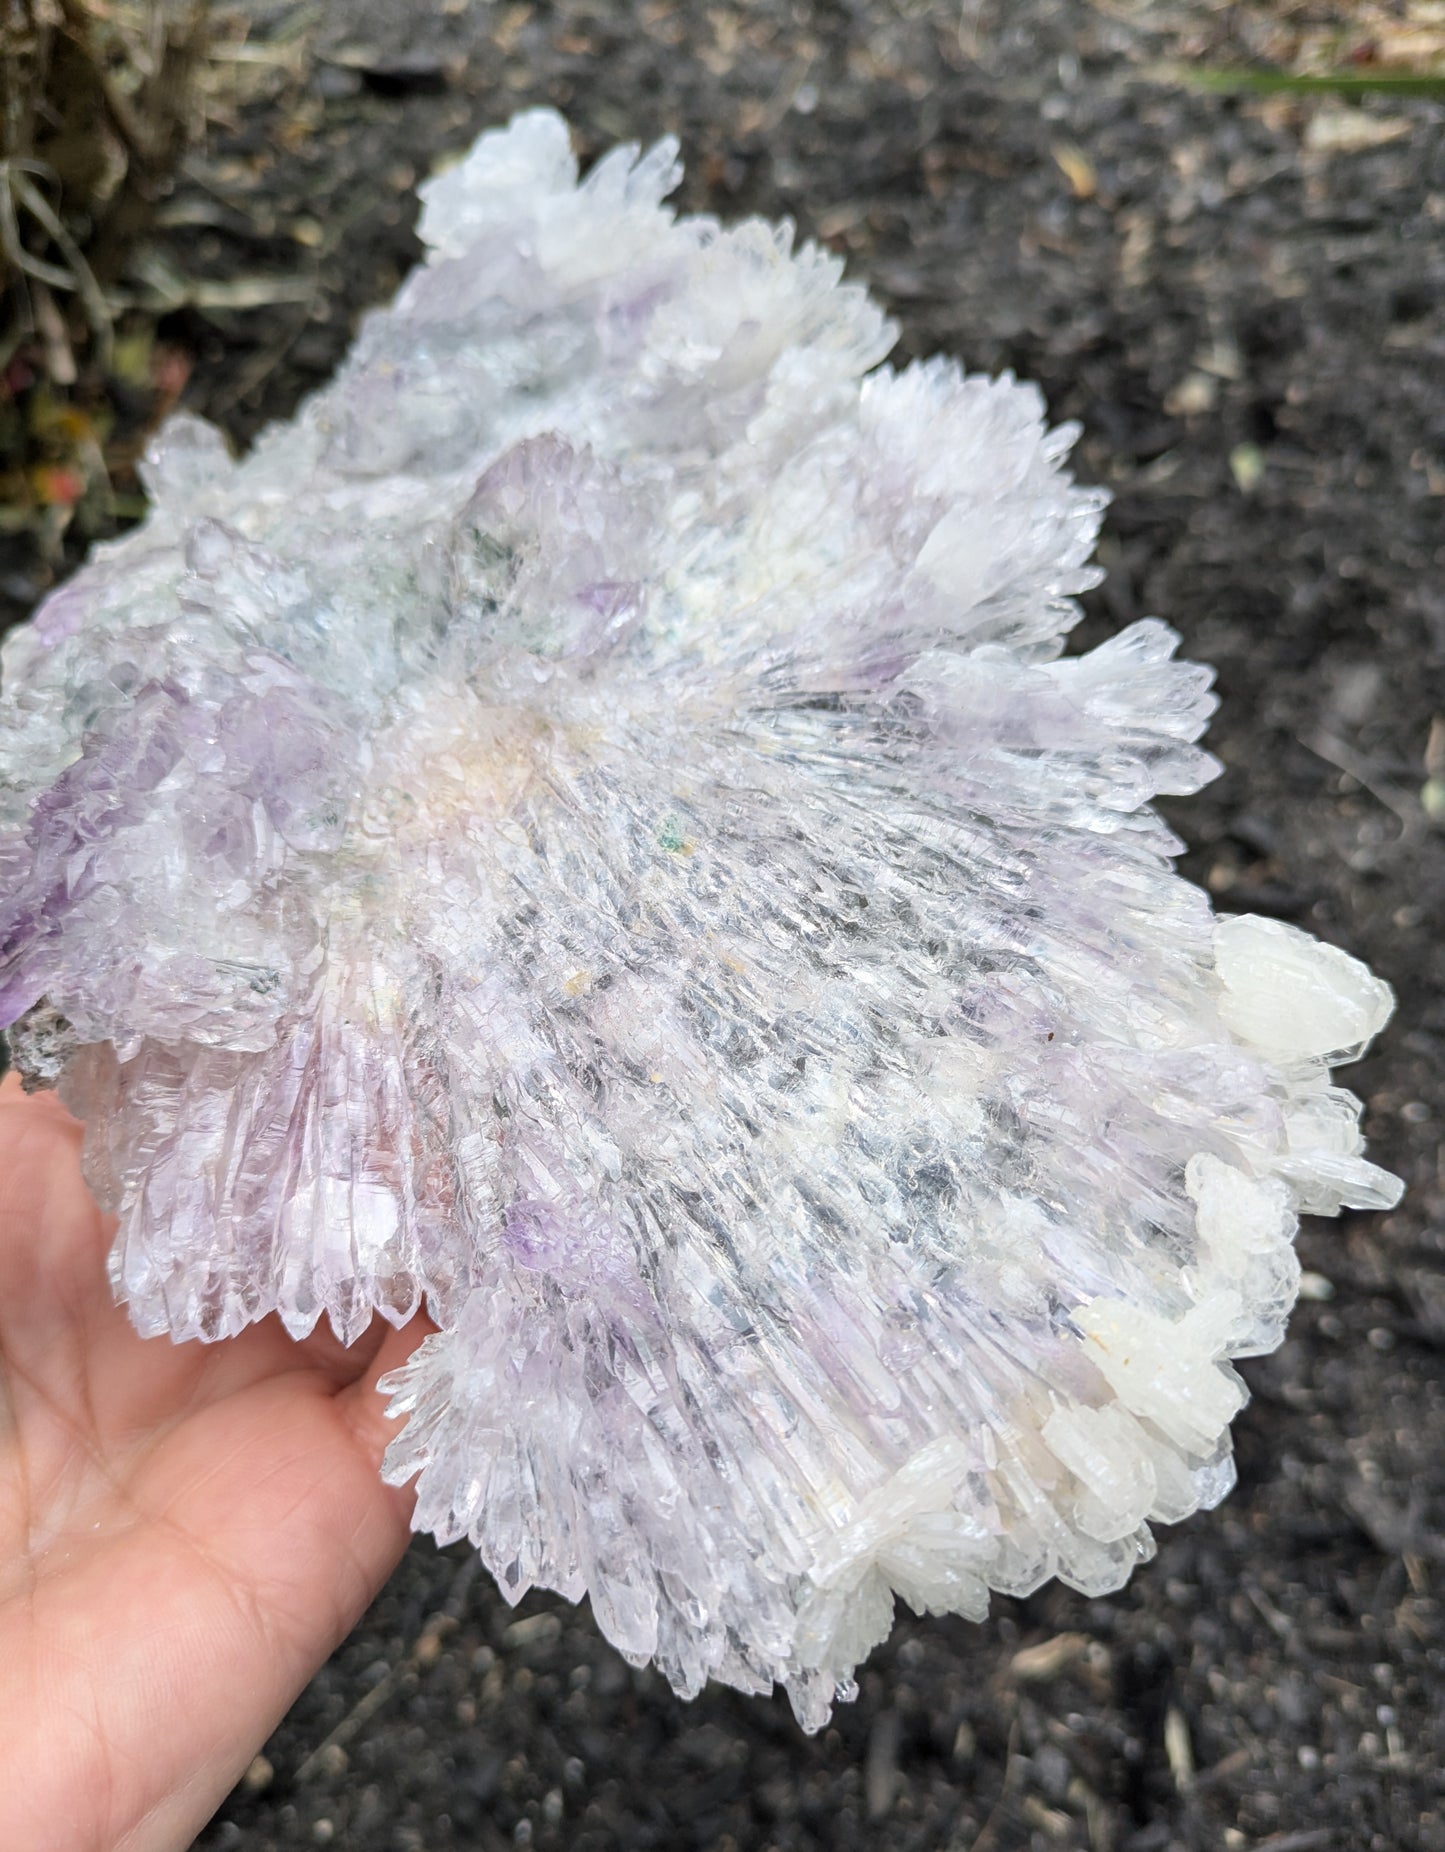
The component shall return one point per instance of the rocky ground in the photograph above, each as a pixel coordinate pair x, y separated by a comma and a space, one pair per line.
1239, 299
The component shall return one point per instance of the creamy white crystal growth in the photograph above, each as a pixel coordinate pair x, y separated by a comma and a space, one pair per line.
590, 828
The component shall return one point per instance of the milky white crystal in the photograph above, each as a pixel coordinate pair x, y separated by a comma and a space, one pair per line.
590, 828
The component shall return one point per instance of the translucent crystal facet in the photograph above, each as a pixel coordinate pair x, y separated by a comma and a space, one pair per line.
590, 829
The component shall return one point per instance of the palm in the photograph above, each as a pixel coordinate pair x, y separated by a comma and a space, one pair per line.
185, 1531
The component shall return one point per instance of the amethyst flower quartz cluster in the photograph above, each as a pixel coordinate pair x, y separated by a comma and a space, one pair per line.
590, 828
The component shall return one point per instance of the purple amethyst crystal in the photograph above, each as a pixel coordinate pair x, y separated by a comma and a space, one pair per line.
590, 829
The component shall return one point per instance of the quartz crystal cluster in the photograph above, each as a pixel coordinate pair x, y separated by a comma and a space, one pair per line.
590, 828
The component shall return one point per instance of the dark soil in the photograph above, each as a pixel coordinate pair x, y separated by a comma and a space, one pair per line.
1246, 319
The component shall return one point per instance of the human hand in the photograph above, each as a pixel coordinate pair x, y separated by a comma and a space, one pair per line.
186, 1530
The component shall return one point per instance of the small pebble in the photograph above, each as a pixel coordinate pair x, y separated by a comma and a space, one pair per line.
258, 1776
